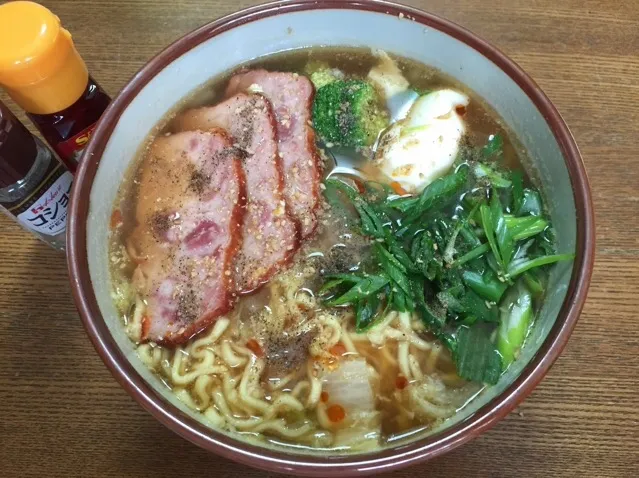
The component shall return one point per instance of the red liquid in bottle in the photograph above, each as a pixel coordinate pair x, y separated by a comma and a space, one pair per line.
68, 131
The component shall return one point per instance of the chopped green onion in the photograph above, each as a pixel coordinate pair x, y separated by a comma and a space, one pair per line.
496, 179
502, 234
521, 266
487, 221
486, 285
516, 316
469, 256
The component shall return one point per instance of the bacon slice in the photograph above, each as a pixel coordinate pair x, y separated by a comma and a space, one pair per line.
270, 234
292, 99
189, 217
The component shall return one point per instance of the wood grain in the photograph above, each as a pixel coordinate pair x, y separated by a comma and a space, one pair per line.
63, 415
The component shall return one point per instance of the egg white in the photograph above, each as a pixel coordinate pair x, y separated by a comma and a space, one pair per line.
416, 151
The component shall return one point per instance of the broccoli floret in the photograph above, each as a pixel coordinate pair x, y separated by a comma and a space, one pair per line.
348, 113
321, 73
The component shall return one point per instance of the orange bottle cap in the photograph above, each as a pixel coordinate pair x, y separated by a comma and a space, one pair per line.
39, 65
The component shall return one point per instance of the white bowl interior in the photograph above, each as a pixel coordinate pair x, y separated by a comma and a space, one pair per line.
332, 28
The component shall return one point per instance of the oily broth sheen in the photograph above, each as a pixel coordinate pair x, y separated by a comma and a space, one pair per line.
221, 373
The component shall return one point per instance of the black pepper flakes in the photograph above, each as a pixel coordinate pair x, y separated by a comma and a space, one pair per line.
160, 223
199, 182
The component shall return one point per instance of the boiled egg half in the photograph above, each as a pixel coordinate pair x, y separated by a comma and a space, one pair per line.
417, 150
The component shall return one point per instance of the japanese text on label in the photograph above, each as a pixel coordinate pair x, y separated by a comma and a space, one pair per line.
48, 214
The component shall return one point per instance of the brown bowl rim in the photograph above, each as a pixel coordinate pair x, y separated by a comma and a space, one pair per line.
314, 465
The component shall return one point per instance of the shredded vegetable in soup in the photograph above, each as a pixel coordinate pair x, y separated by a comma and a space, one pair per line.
330, 249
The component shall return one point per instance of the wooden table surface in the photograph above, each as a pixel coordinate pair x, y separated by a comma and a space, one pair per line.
63, 415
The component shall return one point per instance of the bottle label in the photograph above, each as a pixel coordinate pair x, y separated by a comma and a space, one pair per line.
73, 147
45, 211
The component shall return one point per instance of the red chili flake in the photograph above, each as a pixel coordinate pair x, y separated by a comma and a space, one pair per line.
360, 185
401, 382
255, 347
338, 349
336, 413
116, 219
324, 397
398, 188
145, 325
461, 110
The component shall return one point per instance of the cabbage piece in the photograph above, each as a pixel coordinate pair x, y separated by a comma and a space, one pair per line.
432, 401
350, 387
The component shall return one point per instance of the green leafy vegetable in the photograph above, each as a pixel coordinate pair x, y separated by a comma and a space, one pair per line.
449, 251
366, 311
394, 269
436, 193
469, 256
333, 283
486, 285
475, 308
423, 254
362, 289
531, 203
494, 146
477, 358
335, 280
468, 234
497, 179
400, 254
431, 317
450, 255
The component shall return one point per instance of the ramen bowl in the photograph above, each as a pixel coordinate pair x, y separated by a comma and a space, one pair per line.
235, 39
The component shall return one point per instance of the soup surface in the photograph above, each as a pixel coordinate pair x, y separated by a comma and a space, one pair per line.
329, 249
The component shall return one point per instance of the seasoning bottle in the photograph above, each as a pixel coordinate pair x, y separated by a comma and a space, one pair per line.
34, 186
43, 73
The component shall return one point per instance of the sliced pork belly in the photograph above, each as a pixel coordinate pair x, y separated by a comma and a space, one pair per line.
292, 98
189, 218
270, 234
